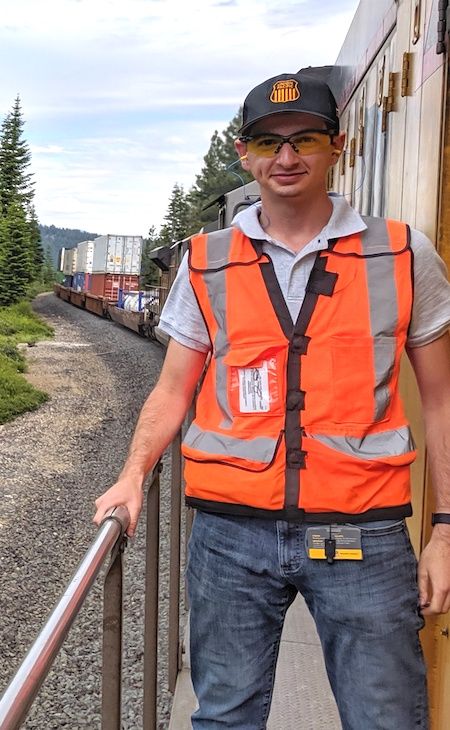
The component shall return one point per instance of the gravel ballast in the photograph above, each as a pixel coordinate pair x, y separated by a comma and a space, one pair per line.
54, 462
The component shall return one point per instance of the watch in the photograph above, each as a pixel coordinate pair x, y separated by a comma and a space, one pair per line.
438, 517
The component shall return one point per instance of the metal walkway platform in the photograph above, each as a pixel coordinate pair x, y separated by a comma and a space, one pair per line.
302, 695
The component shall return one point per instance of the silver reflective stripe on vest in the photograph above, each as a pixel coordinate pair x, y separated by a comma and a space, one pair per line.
218, 248
373, 446
217, 254
260, 449
383, 307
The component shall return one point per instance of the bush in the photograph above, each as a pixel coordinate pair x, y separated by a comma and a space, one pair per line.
16, 394
38, 287
10, 351
18, 323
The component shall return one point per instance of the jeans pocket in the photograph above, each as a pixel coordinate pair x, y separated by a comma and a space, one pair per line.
379, 528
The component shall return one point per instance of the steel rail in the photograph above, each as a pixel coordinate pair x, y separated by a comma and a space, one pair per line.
24, 686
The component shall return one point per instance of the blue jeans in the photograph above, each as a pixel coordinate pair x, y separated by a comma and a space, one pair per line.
243, 573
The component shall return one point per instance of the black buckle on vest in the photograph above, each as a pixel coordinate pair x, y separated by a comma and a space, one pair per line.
299, 344
322, 282
295, 400
295, 458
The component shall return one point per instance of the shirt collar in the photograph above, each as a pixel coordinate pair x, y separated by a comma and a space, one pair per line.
344, 221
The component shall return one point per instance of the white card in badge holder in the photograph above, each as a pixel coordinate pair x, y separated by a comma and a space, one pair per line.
254, 389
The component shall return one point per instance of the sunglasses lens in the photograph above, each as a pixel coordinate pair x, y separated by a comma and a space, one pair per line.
310, 143
264, 145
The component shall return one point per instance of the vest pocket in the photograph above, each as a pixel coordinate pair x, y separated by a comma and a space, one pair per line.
362, 370
250, 454
256, 380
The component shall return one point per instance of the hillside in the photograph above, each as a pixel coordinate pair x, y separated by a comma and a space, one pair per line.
56, 238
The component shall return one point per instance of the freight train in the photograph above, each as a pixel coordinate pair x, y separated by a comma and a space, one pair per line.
116, 295
391, 81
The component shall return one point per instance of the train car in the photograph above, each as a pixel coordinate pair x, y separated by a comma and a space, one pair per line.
391, 84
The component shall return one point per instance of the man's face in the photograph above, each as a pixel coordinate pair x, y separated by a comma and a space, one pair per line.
289, 174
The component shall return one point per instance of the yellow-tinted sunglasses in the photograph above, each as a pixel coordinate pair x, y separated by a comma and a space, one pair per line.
306, 142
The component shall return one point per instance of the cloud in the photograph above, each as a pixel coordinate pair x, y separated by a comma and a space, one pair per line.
117, 183
292, 14
121, 103
50, 149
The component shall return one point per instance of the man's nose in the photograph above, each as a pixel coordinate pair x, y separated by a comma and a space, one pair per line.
287, 155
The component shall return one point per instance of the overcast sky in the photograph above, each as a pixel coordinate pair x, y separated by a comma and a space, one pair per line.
120, 99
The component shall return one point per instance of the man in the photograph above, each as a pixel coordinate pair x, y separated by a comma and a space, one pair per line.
298, 458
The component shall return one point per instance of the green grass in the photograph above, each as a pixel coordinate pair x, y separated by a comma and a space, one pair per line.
18, 323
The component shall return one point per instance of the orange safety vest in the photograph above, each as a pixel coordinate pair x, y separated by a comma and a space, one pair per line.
303, 421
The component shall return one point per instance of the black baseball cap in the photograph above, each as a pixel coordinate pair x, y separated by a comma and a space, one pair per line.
299, 92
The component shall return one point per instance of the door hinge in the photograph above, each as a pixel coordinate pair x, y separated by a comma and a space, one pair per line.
443, 25
391, 93
352, 152
330, 181
406, 69
388, 102
342, 162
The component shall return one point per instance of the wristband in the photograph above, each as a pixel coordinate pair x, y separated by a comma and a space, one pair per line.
439, 517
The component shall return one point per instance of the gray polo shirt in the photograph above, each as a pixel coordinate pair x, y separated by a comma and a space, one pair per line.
181, 317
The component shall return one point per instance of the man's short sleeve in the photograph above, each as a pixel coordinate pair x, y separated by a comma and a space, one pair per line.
181, 317
431, 307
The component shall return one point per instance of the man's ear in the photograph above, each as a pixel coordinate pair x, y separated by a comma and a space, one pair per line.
241, 149
339, 142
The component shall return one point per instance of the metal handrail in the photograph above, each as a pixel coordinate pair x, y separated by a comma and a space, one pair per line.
25, 685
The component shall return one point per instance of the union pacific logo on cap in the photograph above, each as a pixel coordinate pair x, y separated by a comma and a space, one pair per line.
284, 91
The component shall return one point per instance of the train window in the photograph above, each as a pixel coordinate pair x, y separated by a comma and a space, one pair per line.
243, 204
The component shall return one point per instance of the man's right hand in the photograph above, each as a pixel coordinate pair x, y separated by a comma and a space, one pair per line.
124, 492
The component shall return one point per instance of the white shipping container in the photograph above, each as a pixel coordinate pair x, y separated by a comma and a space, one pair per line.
69, 261
107, 257
117, 255
85, 257
132, 255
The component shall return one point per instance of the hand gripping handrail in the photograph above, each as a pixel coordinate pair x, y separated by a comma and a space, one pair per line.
25, 685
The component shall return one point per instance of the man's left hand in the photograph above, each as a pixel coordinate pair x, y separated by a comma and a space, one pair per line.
434, 573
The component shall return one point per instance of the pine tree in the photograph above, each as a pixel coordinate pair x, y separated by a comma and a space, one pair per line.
176, 218
15, 157
48, 273
22, 255
16, 264
149, 270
